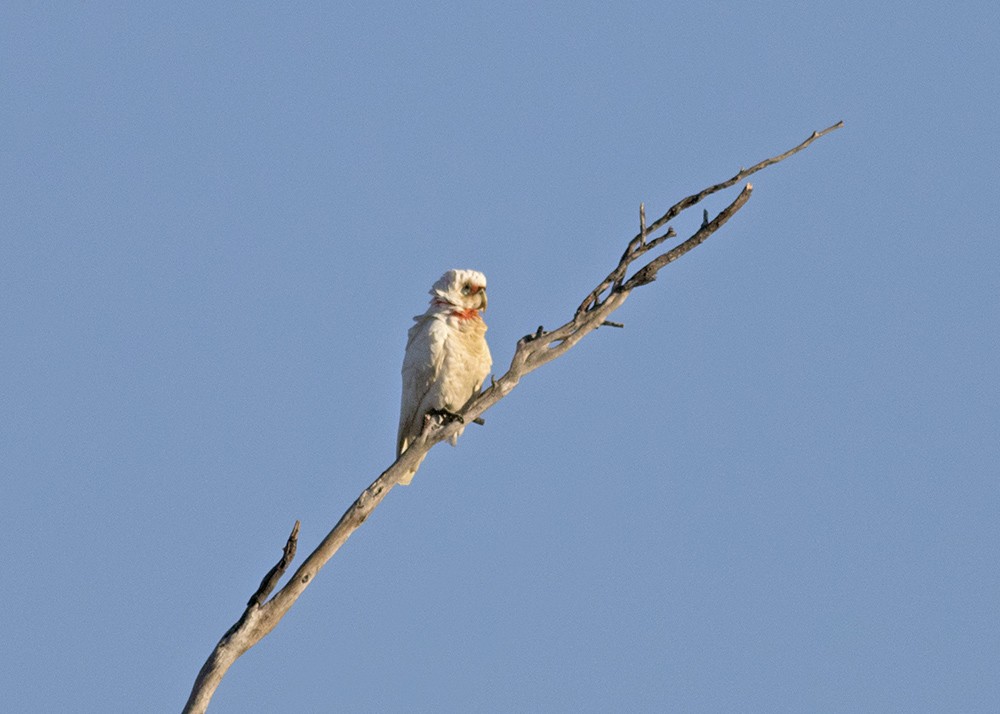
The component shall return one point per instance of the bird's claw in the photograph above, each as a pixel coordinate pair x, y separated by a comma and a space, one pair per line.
446, 415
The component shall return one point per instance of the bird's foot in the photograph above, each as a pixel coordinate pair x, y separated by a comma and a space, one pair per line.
446, 415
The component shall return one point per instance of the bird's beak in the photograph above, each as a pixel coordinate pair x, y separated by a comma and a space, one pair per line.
482, 295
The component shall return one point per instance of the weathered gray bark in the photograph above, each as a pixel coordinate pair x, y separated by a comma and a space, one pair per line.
262, 615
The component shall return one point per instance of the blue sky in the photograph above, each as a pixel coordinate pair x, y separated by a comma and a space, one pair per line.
775, 490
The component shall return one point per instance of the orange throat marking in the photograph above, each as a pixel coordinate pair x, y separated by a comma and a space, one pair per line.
467, 314
470, 313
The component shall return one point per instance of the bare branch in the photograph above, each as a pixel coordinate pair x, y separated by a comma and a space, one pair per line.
531, 352
742, 174
647, 273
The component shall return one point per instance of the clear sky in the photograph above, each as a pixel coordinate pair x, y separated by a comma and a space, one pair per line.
775, 490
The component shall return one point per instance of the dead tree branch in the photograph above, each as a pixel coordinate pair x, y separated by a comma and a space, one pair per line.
532, 351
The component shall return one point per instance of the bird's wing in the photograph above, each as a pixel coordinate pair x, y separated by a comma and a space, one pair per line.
422, 366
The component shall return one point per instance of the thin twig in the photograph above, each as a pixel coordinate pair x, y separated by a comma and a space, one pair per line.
275, 573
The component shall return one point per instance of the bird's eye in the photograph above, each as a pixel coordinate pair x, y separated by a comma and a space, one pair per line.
466, 289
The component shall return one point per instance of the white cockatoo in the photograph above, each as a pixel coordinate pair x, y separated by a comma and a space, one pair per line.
447, 358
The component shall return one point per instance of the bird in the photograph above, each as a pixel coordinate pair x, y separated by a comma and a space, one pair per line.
446, 358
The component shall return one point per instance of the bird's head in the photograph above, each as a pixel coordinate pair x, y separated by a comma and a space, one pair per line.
465, 289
